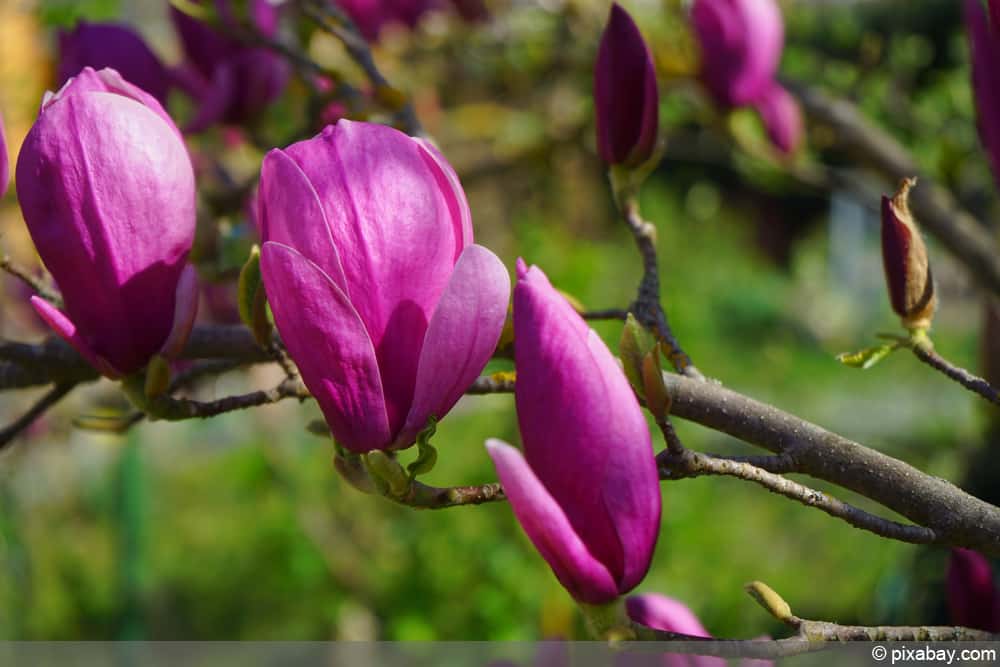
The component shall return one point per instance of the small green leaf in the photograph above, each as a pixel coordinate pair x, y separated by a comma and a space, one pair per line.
635, 344
426, 453
252, 299
157, 377
869, 356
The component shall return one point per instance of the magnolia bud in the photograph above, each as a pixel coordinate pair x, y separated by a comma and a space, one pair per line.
904, 257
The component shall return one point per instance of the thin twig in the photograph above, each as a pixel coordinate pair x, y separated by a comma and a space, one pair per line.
422, 496
339, 25
647, 307
606, 314
50, 398
175, 409
38, 285
973, 383
688, 463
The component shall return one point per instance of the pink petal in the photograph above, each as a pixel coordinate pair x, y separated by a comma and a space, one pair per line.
461, 337
291, 214
67, 331
575, 405
452, 187
328, 342
185, 311
396, 235
548, 528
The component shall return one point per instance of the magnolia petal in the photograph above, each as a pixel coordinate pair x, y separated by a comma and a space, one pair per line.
185, 311
66, 330
291, 214
328, 341
461, 337
548, 528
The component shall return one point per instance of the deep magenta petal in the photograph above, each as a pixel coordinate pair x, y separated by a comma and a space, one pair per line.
984, 46
107, 190
291, 214
185, 312
461, 338
397, 236
741, 43
66, 330
782, 118
100, 45
626, 99
584, 434
972, 593
328, 342
547, 526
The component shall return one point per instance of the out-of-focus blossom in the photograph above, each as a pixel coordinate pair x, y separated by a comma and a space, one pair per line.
626, 99
386, 305
232, 83
984, 45
972, 594
107, 189
904, 258
741, 43
100, 45
586, 490
660, 612
371, 16
782, 118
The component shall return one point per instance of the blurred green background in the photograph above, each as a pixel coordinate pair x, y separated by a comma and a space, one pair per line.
239, 528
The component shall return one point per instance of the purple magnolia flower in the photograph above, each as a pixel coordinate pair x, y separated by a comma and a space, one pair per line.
660, 612
586, 490
984, 44
107, 189
231, 82
741, 43
383, 301
972, 595
100, 45
626, 99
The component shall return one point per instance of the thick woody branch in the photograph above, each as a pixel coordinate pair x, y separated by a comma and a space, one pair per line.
935, 207
955, 517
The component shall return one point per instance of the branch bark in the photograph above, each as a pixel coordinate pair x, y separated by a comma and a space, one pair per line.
957, 518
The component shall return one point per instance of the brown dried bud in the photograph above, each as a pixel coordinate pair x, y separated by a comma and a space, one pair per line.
904, 257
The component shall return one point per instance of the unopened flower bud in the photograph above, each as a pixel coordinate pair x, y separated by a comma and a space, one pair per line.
904, 257
626, 99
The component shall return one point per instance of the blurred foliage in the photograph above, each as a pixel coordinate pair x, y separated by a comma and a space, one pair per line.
238, 528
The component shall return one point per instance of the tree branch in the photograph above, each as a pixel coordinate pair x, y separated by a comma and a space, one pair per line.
973, 383
337, 24
647, 307
694, 464
957, 518
51, 397
936, 208
38, 285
